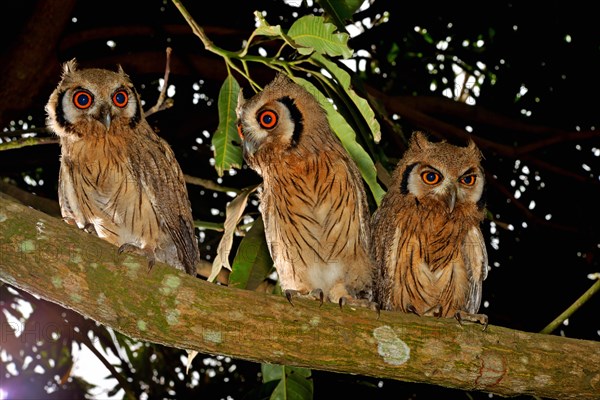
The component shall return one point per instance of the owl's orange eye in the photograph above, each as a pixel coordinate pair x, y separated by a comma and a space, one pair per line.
468, 180
240, 132
430, 177
120, 98
82, 99
267, 119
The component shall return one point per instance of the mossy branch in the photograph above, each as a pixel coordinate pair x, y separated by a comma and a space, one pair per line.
46, 257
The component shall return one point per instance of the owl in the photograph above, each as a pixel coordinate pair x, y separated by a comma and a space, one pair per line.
117, 177
429, 251
312, 199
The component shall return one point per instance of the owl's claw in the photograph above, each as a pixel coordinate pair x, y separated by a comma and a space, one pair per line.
465, 316
435, 311
411, 309
316, 294
319, 295
89, 228
360, 303
288, 295
131, 248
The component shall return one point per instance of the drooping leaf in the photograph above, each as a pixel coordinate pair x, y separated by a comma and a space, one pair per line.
252, 263
315, 35
348, 138
339, 12
294, 383
226, 141
233, 213
361, 104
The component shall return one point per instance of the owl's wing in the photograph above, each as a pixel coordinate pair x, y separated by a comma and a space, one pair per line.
67, 197
164, 184
477, 267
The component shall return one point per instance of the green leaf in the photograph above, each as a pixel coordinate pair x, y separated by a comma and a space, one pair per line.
252, 263
361, 104
226, 141
348, 138
294, 383
314, 34
339, 12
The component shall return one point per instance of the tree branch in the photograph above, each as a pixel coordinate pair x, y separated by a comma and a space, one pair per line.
44, 256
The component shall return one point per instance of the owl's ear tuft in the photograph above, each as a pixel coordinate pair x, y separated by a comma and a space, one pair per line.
70, 66
473, 148
121, 71
419, 139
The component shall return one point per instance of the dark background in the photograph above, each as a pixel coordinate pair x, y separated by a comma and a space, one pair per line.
539, 264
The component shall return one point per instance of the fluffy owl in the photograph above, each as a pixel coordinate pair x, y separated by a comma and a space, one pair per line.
117, 177
429, 251
312, 200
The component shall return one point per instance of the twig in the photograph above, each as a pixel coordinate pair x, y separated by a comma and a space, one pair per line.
574, 307
208, 184
129, 393
19, 132
163, 102
24, 142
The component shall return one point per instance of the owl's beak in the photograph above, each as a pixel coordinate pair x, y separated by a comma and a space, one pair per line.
247, 142
249, 147
450, 198
105, 118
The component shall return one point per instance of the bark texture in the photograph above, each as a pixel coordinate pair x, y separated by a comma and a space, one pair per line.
46, 257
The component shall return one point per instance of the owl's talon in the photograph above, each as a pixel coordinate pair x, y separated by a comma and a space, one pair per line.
478, 318
411, 309
131, 248
89, 228
151, 262
342, 302
435, 311
318, 295
288, 295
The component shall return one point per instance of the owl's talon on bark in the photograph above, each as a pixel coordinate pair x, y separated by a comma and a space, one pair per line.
315, 294
132, 248
435, 311
478, 318
89, 228
318, 295
411, 309
289, 294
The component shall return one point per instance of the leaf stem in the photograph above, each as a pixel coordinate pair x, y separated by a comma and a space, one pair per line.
572, 308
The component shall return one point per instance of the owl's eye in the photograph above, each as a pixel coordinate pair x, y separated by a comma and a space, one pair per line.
430, 177
82, 99
468, 180
120, 98
267, 119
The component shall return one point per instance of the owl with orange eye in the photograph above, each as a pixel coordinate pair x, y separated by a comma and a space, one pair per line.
117, 177
429, 250
312, 199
